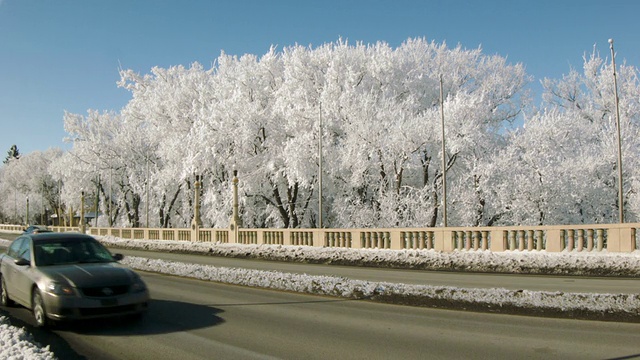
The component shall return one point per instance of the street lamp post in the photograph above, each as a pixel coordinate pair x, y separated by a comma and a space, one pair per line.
96, 207
81, 223
615, 85
27, 218
42, 204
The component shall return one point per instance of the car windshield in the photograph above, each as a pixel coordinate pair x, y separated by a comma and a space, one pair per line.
61, 251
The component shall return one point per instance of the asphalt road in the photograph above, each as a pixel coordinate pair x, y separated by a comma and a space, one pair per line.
192, 319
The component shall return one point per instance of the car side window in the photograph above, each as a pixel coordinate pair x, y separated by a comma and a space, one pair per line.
25, 250
15, 248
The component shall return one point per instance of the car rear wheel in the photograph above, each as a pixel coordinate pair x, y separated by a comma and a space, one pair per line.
4, 295
39, 311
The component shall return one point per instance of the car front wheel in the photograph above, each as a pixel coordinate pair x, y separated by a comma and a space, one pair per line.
4, 295
39, 311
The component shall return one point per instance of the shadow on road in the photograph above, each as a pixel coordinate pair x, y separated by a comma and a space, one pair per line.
163, 317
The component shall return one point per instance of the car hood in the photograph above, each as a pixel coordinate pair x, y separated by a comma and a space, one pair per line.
90, 275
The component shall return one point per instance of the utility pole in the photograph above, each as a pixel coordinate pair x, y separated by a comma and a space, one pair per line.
236, 222
320, 171
110, 194
615, 84
146, 187
444, 161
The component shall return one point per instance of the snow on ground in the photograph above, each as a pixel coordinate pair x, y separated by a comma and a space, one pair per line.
618, 307
17, 344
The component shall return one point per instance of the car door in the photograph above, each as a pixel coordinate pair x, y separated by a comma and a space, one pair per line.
22, 275
9, 268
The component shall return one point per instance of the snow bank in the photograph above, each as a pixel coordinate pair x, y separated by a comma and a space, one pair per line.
17, 344
620, 307
517, 262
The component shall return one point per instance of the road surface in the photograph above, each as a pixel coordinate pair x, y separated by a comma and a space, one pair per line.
192, 319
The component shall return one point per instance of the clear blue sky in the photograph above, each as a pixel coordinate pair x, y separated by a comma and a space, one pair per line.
58, 55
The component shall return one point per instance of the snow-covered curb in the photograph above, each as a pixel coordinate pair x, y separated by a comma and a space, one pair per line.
619, 307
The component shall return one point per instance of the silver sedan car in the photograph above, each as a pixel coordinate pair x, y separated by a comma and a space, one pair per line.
69, 276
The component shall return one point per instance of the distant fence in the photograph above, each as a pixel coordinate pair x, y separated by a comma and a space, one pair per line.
578, 238
20, 228
12, 228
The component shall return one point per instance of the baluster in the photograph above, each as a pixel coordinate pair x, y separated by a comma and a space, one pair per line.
570, 239
521, 240
600, 237
590, 240
530, 240
539, 240
580, 240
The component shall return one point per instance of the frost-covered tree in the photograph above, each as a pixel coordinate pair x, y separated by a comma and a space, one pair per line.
563, 161
260, 115
381, 111
29, 177
99, 165
167, 108
390, 120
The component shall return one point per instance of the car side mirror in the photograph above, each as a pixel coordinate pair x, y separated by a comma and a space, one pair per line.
22, 262
118, 257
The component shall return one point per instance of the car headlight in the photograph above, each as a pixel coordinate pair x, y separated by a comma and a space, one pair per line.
59, 289
138, 285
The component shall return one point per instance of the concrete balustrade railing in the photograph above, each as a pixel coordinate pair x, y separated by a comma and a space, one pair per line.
12, 228
577, 238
